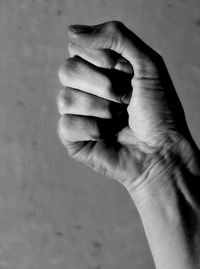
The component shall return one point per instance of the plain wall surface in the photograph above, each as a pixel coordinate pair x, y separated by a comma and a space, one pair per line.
54, 212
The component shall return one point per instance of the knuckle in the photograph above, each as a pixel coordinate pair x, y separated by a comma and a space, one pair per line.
114, 30
64, 125
110, 27
71, 64
64, 101
62, 74
74, 52
61, 130
68, 69
71, 47
114, 26
65, 137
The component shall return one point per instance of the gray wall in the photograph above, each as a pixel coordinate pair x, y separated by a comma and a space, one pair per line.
54, 212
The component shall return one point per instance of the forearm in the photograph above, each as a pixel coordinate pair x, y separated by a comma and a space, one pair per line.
167, 196
169, 205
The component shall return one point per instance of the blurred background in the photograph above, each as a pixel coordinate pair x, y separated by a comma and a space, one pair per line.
54, 212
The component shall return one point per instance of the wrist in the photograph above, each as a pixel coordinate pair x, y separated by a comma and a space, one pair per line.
178, 162
169, 206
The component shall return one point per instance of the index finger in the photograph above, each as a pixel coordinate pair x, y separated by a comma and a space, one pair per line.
117, 37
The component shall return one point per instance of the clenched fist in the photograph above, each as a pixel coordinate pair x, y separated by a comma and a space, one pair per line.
120, 112
122, 117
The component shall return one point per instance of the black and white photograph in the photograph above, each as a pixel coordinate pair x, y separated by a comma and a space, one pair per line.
99, 134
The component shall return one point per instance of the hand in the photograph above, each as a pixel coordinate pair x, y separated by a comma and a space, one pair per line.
120, 112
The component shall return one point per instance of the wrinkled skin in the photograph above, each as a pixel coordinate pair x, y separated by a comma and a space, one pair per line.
120, 112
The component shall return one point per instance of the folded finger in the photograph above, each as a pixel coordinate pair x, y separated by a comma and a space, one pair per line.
110, 84
73, 128
73, 101
117, 37
104, 58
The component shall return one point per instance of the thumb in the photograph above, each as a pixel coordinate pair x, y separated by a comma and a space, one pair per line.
117, 37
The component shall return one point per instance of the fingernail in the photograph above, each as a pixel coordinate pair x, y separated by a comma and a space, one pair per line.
80, 29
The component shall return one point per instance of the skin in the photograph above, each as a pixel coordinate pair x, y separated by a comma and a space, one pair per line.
121, 116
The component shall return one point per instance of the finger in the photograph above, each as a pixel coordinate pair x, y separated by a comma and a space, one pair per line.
117, 37
73, 128
110, 84
73, 101
101, 57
